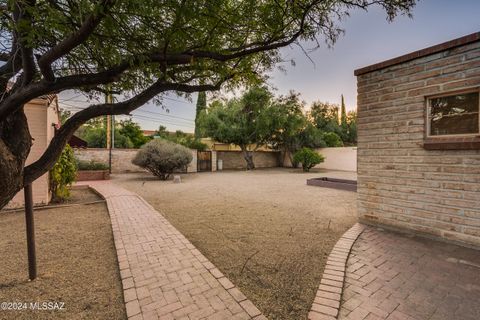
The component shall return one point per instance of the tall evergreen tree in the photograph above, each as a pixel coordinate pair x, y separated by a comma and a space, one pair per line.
343, 116
201, 105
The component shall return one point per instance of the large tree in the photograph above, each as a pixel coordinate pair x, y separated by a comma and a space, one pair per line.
143, 48
245, 121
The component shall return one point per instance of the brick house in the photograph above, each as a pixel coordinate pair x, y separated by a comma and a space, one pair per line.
419, 142
42, 117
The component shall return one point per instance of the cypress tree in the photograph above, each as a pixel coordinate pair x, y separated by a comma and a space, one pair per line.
201, 105
343, 117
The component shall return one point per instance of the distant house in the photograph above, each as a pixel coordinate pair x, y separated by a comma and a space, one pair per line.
148, 133
43, 118
419, 141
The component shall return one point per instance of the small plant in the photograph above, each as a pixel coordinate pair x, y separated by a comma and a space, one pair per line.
308, 158
91, 165
162, 157
63, 174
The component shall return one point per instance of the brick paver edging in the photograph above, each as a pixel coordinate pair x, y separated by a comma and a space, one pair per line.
327, 301
163, 275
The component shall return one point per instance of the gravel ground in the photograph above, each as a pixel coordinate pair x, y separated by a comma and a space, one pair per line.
266, 230
76, 262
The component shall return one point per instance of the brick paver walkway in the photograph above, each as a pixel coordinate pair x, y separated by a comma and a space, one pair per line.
164, 276
393, 276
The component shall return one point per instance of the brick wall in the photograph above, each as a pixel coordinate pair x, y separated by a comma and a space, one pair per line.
400, 184
121, 159
235, 160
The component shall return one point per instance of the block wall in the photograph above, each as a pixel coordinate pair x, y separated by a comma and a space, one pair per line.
401, 184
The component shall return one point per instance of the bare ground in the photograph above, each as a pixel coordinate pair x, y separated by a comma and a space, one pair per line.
266, 230
76, 261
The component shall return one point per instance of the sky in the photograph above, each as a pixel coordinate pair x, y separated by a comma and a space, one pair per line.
368, 39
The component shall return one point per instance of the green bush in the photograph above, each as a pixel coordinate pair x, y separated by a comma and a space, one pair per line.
332, 139
91, 165
308, 158
162, 157
63, 174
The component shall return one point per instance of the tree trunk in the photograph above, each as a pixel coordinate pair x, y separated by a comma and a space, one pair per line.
248, 156
15, 143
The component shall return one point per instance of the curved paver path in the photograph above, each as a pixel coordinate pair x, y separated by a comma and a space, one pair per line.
163, 275
395, 276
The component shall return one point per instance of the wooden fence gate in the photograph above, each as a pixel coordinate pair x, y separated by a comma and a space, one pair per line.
204, 161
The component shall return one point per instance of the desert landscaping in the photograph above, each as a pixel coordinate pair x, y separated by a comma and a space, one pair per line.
266, 230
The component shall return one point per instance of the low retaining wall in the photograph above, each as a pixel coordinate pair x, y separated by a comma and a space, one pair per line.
235, 160
89, 175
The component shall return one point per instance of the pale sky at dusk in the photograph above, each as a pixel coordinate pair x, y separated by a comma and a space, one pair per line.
368, 39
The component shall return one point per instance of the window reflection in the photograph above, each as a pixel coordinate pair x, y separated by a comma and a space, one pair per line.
454, 115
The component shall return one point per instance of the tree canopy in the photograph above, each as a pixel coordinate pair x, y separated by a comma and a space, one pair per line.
141, 50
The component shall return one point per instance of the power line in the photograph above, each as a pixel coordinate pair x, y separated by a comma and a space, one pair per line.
77, 108
160, 121
164, 115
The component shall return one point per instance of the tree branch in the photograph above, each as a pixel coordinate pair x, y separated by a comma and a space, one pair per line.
75, 39
5, 56
47, 160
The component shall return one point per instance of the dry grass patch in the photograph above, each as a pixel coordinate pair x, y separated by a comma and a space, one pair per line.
266, 230
76, 262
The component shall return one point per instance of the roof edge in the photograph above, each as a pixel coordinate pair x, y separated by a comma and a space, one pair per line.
420, 53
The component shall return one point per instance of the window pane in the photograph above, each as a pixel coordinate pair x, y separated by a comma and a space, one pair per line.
456, 114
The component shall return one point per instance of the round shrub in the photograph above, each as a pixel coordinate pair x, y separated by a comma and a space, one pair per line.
162, 157
308, 158
332, 139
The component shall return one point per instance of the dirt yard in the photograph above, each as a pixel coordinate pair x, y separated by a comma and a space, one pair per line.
76, 263
266, 230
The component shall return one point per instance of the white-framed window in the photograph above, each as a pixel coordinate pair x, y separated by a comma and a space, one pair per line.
454, 114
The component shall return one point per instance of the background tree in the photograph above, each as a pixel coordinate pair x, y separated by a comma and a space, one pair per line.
324, 116
244, 121
200, 107
133, 132
351, 128
144, 50
161, 132
291, 129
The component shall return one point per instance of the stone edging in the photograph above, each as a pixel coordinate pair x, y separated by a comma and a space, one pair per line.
329, 294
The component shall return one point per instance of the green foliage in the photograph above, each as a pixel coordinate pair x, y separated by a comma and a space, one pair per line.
63, 174
351, 128
162, 157
128, 134
332, 139
200, 108
133, 132
91, 165
343, 115
180, 137
241, 121
324, 116
308, 158
130, 30
64, 115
